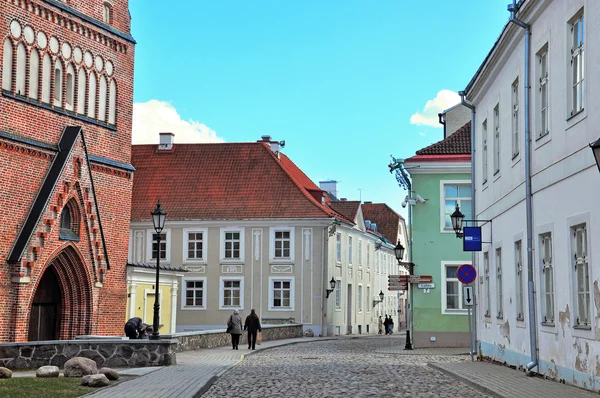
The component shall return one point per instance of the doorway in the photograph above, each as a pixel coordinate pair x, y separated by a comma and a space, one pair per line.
349, 309
44, 320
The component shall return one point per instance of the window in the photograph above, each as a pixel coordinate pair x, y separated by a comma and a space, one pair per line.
485, 153
519, 285
349, 250
499, 283
70, 87
497, 139
102, 99
577, 65
486, 272
163, 246
7, 55
455, 193
547, 278
91, 107
369, 298
46, 78
232, 244
281, 293
34, 69
232, 289
152, 248
194, 244
368, 255
452, 299
515, 118
81, 83
107, 13
112, 103
338, 247
544, 111
194, 294
360, 244
69, 222
21, 69
360, 298
338, 295
58, 83
282, 244
582, 276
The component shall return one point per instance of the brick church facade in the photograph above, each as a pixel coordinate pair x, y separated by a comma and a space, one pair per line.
66, 179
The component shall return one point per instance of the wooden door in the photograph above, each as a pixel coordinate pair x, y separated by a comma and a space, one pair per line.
44, 320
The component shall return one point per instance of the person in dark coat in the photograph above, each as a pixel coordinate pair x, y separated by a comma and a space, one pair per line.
386, 324
136, 329
252, 325
234, 327
391, 326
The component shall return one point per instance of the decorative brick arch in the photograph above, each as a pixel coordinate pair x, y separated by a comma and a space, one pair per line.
76, 293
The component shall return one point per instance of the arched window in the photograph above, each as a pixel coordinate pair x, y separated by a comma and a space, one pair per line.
107, 13
34, 71
81, 82
58, 84
69, 222
92, 96
46, 78
112, 102
70, 89
21, 69
7, 65
102, 99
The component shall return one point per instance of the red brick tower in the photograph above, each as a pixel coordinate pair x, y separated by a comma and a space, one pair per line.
66, 178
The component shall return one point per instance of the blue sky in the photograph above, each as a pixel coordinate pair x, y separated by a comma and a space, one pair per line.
338, 80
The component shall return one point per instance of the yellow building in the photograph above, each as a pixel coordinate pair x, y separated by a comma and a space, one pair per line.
141, 280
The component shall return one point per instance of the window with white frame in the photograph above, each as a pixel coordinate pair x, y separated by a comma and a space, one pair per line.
154, 250
547, 279
338, 295
194, 244
497, 139
231, 292
369, 298
232, 244
368, 255
519, 285
515, 117
349, 249
544, 95
360, 252
577, 95
338, 247
499, 297
485, 151
107, 13
377, 261
194, 294
582, 275
486, 286
360, 298
282, 244
281, 293
452, 298
455, 193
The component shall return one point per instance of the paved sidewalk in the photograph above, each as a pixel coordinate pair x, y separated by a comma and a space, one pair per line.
502, 381
194, 373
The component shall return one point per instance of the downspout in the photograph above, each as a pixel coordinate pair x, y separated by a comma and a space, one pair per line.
469, 105
513, 8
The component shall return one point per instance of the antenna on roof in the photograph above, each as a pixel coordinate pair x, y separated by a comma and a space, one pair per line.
360, 194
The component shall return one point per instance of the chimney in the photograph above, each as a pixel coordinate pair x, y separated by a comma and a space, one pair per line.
166, 141
329, 187
275, 145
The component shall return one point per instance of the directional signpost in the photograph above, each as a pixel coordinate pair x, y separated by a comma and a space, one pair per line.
467, 274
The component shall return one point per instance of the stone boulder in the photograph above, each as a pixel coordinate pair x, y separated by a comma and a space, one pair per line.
97, 380
47, 371
5, 373
110, 374
79, 366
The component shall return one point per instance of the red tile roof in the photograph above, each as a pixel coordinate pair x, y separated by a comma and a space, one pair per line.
347, 208
387, 220
458, 143
221, 181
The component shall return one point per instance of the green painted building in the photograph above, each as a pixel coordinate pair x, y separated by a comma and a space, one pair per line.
441, 179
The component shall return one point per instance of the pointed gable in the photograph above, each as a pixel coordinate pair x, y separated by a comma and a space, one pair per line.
387, 220
347, 208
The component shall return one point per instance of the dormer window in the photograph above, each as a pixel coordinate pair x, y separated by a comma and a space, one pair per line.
69, 222
107, 13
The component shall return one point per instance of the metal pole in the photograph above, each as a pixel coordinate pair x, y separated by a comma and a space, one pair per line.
155, 334
470, 331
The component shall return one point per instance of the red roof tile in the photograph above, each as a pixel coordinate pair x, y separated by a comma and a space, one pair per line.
221, 181
387, 220
458, 143
347, 208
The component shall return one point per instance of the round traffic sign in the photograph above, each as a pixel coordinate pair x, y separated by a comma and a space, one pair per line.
466, 274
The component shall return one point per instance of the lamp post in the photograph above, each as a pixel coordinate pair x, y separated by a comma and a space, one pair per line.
457, 222
159, 217
409, 266
381, 296
332, 284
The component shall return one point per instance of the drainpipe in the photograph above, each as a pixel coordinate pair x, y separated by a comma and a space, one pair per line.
473, 337
513, 8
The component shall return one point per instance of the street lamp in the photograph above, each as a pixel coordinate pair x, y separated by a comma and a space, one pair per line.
159, 217
596, 148
399, 253
381, 296
457, 221
332, 284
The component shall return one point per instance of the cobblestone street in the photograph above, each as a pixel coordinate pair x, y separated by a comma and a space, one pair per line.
360, 367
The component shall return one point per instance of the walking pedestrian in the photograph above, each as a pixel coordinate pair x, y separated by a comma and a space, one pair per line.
380, 325
252, 325
386, 324
234, 327
391, 326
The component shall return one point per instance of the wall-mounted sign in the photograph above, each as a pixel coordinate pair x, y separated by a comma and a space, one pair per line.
472, 239
426, 285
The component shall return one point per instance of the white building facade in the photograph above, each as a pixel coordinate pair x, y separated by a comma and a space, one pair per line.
565, 184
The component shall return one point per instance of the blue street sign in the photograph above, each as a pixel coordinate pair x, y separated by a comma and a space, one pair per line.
466, 274
472, 239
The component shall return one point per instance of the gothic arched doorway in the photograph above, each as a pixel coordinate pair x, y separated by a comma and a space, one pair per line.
62, 304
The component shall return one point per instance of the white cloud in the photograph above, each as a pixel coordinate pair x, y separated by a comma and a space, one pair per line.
153, 117
429, 115
422, 134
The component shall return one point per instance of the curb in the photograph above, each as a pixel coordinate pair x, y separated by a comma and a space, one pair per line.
466, 381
